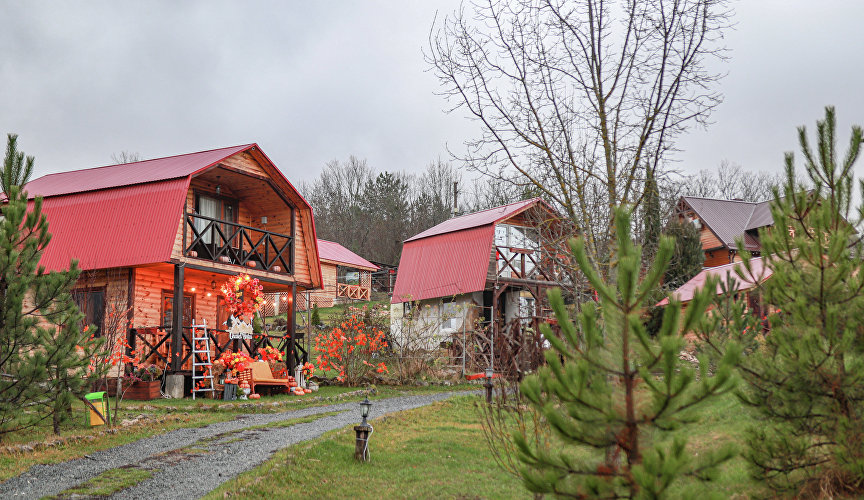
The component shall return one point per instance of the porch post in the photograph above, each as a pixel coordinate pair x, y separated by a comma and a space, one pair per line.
177, 320
174, 381
291, 349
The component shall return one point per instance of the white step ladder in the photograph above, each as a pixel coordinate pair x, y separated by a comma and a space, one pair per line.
205, 366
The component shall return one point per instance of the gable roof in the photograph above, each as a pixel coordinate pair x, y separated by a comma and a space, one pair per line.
481, 218
334, 252
128, 174
129, 214
453, 257
686, 292
731, 219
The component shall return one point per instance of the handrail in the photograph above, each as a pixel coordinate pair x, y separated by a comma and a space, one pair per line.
222, 241
521, 264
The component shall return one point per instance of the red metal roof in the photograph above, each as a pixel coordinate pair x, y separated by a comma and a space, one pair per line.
687, 290
476, 219
127, 174
447, 264
334, 252
126, 226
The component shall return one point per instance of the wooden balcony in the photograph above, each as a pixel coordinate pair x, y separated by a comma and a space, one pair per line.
522, 264
230, 243
355, 292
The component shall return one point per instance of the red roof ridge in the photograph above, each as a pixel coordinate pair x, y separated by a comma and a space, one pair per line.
456, 224
245, 146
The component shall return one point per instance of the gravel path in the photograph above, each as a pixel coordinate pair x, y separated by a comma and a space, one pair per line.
216, 454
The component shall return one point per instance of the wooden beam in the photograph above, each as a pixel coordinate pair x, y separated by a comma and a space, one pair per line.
177, 319
291, 349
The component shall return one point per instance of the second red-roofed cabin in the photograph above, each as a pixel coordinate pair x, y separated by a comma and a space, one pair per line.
345, 276
474, 278
156, 239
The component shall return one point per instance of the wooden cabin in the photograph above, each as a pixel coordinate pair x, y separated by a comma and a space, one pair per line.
346, 276
156, 239
477, 276
722, 222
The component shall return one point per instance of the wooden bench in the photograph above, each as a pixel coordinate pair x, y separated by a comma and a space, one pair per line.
259, 374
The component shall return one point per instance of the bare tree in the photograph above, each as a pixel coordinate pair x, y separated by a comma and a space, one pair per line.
579, 99
125, 157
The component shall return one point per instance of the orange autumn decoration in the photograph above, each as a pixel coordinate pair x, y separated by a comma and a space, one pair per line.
234, 362
269, 353
243, 295
350, 349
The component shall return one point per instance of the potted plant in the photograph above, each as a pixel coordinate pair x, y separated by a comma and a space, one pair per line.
145, 383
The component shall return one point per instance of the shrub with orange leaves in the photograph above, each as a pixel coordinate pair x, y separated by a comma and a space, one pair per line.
351, 348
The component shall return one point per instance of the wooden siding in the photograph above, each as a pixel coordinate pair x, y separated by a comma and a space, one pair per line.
241, 177
709, 240
716, 258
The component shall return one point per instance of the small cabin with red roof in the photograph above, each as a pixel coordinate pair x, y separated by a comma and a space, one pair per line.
484, 271
345, 276
157, 238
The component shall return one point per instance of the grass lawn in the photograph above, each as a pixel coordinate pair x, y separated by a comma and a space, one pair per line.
437, 451
163, 415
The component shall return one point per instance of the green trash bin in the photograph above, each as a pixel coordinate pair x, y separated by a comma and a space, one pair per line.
100, 402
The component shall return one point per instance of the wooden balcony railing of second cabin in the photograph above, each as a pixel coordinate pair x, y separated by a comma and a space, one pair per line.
522, 263
355, 292
232, 243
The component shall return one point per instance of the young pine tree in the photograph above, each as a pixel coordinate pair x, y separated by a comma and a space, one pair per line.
38, 358
609, 391
807, 382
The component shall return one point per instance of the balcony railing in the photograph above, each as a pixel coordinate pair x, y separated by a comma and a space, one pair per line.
519, 263
355, 292
232, 243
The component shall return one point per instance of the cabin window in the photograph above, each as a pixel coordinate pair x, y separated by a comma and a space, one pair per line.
451, 317
348, 275
91, 302
168, 308
222, 313
214, 208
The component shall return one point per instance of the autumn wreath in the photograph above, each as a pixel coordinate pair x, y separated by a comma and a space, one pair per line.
243, 295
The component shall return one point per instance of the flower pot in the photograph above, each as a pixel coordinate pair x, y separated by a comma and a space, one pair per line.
143, 391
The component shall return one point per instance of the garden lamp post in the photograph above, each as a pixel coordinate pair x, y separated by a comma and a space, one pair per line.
489, 374
363, 431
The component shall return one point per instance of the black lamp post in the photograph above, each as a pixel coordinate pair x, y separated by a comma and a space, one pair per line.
365, 405
361, 445
489, 374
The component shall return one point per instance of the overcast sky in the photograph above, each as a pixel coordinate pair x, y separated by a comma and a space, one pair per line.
310, 83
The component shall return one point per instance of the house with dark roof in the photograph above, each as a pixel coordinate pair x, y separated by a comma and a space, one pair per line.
157, 238
488, 269
722, 222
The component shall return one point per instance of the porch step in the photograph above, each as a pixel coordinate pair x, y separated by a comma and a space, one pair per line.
202, 364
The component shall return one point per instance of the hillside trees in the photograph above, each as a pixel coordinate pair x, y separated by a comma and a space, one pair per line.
581, 100
807, 381
43, 354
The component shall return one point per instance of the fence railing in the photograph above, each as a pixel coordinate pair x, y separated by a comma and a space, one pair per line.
231, 243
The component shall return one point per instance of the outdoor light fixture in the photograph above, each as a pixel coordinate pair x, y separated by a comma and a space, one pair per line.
489, 374
218, 189
365, 405
213, 284
209, 294
363, 431
192, 289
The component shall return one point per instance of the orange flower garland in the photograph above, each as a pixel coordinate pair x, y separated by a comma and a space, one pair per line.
243, 294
